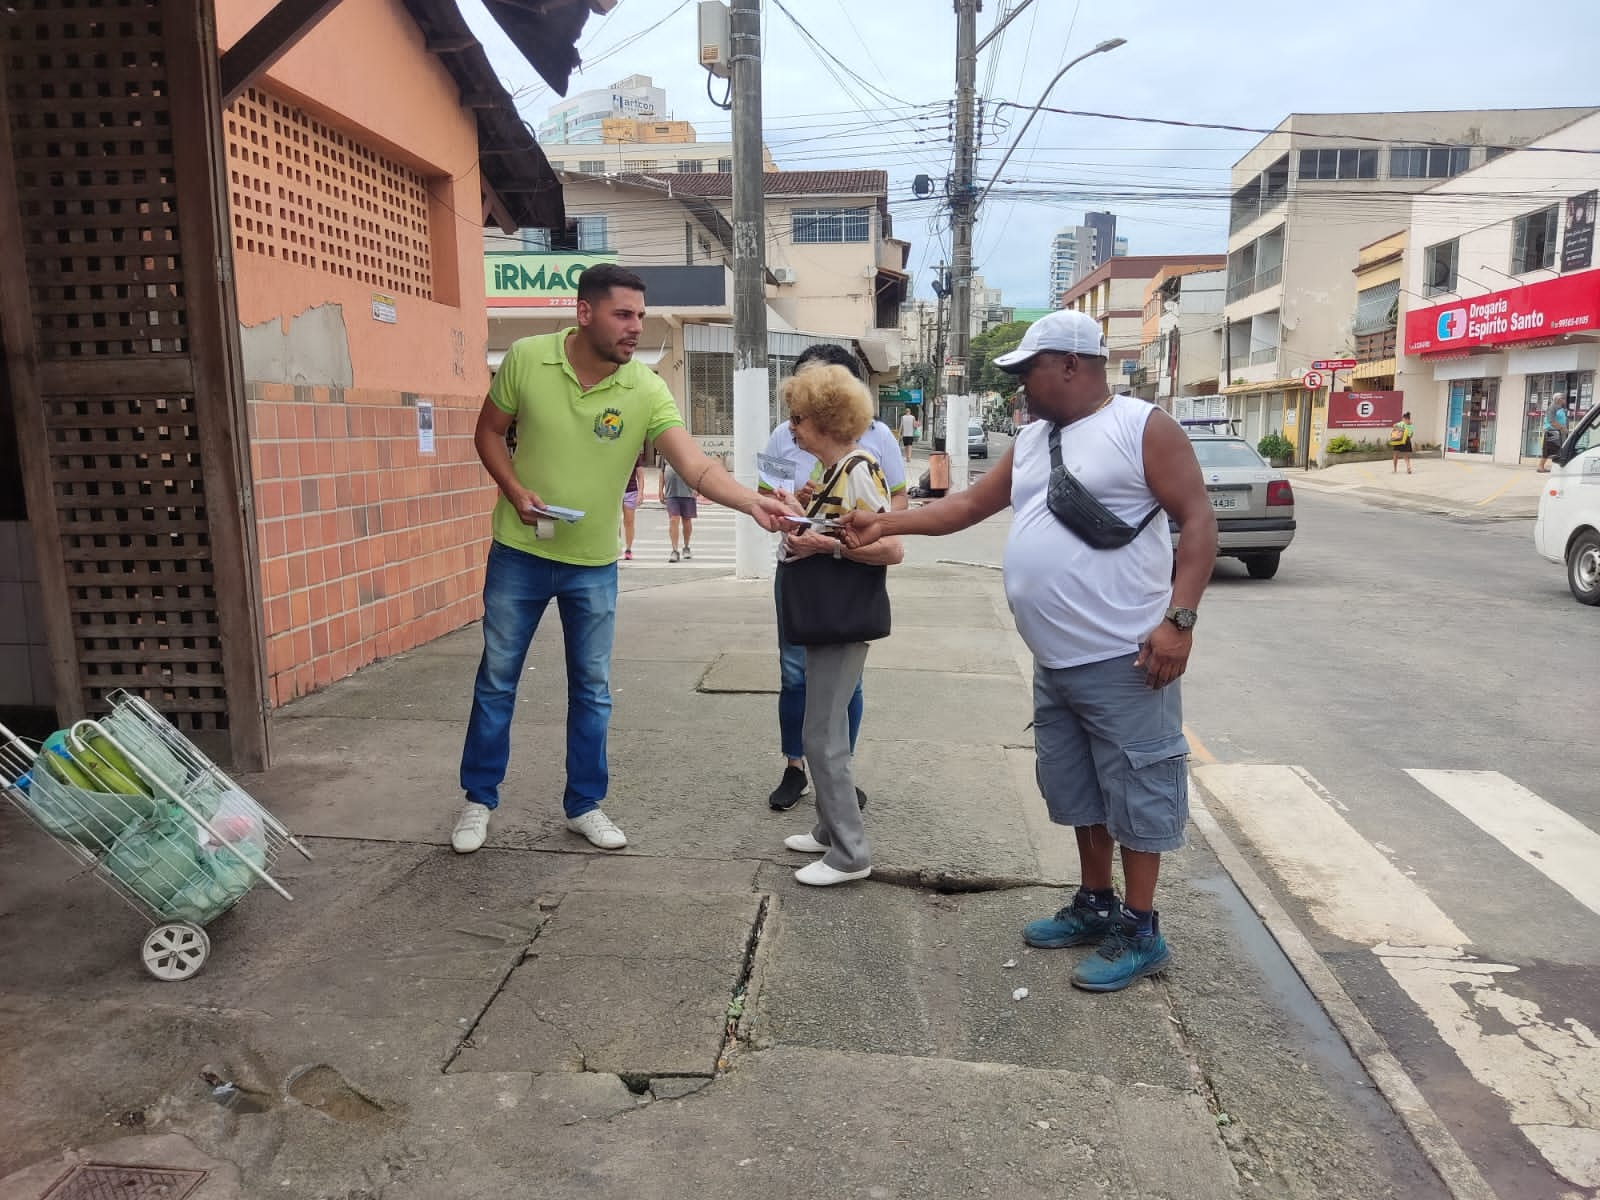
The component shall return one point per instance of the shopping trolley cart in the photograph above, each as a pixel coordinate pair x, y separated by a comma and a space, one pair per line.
161, 824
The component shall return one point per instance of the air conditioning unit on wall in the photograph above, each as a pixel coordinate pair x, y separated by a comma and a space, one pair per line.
784, 274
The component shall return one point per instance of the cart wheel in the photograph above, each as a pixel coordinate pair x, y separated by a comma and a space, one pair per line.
175, 950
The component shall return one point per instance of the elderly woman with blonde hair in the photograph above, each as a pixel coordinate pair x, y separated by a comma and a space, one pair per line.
833, 601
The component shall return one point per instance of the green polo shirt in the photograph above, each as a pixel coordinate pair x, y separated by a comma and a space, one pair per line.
575, 448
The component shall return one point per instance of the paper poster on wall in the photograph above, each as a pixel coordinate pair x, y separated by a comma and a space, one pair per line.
424, 426
383, 308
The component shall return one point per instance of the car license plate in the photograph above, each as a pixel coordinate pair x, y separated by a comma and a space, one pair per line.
1224, 500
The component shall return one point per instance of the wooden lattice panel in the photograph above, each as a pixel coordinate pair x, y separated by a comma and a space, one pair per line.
309, 194
87, 90
92, 143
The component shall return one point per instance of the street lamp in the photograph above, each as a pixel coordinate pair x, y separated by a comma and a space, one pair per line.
1102, 48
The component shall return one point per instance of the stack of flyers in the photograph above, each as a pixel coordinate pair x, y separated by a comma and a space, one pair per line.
556, 513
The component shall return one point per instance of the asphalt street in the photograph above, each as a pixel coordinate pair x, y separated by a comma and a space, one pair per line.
1397, 733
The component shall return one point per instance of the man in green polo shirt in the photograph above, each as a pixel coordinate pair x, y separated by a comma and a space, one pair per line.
583, 410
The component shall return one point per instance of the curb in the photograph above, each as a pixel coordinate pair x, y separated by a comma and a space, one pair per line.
1455, 1170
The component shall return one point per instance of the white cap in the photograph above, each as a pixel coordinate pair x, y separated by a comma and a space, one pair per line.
1065, 330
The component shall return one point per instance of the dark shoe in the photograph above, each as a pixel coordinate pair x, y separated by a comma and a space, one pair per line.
1078, 924
790, 788
1123, 957
861, 800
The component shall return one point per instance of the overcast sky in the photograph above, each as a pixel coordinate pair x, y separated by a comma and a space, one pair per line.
1234, 62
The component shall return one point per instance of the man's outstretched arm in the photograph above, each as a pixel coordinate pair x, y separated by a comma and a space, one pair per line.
958, 511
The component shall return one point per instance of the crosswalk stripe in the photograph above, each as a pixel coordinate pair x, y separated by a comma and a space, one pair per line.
1541, 1067
1351, 888
1561, 848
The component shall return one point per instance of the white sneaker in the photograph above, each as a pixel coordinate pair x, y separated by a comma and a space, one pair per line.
599, 829
472, 828
804, 843
820, 874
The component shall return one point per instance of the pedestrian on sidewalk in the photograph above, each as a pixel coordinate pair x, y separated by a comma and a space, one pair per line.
1556, 419
682, 509
1400, 435
879, 440
584, 409
908, 433
630, 505
1089, 576
829, 410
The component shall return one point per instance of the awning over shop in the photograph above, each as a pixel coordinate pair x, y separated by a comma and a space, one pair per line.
1271, 385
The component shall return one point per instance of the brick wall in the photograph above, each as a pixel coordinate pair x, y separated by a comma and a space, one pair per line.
368, 547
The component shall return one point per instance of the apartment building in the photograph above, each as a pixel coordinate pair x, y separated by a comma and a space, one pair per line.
1078, 249
835, 272
1501, 298
646, 158
1305, 199
580, 119
1114, 294
1182, 331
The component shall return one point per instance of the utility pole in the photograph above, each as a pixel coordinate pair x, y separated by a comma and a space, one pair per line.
752, 409
963, 195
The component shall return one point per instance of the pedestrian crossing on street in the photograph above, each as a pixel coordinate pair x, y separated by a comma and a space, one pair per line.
1542, 1064
712, 542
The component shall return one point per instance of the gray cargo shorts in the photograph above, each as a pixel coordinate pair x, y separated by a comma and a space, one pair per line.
1110, 751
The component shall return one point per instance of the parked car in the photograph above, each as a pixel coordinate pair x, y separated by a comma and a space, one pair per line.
977, 439
1254, 502
1568, 526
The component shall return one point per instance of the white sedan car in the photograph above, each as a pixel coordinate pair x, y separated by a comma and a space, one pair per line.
1568, 528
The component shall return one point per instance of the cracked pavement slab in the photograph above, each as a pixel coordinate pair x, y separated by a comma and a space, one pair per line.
620, 983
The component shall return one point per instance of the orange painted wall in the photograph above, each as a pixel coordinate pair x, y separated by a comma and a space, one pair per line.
364, 68
368, 547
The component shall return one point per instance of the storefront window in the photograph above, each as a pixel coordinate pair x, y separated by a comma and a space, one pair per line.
1572, 390
1469, 424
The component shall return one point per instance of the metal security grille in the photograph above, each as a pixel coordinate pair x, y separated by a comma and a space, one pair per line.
309, 194
124, 386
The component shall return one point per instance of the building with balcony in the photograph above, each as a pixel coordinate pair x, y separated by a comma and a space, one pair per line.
1182, 331
1305, 200
1078, 249
835, 272
1500, 298
580, 119
1114, 294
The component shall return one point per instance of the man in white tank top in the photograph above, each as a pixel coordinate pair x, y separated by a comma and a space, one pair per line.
1110, 628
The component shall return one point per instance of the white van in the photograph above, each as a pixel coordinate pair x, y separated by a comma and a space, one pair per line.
1568, 528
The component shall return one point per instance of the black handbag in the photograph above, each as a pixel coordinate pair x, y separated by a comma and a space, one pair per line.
1076, 508
827, 601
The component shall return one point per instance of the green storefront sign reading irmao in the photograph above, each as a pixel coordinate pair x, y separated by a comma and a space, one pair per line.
534, 279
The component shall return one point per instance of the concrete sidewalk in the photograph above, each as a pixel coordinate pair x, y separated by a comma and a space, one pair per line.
1452, 487
679, 1020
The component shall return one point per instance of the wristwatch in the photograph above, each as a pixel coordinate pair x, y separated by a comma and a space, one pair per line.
838, 549
1183, 618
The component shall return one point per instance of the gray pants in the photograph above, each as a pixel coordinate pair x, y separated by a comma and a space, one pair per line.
831, 675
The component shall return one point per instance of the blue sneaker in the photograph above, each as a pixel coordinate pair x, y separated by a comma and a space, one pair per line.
1123, 957
1078, 924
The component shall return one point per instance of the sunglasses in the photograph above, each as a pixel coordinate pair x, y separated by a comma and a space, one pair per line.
795, 419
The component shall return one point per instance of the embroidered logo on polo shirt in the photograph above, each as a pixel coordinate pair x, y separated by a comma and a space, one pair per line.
608, 425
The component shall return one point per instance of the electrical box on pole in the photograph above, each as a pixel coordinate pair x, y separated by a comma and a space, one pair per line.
716, 54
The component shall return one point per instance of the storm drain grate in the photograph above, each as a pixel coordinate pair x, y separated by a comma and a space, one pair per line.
102, 1181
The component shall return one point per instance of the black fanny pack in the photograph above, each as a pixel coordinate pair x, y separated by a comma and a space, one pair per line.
1076, 508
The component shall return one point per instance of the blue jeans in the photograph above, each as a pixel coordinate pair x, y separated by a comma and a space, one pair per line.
792, 696
517, 588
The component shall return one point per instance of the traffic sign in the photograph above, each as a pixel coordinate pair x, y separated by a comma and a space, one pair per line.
1333, 364
1312, 380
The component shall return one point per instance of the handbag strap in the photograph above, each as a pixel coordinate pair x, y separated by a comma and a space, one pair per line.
840, 469
1057, 465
